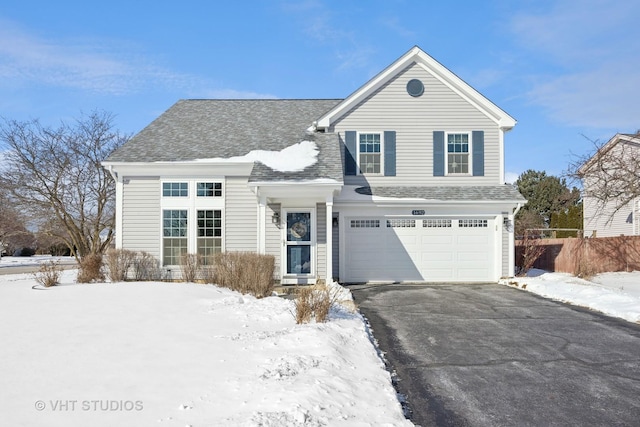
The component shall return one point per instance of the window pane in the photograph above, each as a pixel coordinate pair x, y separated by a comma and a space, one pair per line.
369, 142
369, 163
209, 246
173, 250
299, 259
458, 163
174, 230
175, 189
457, 143
209, 232
299, 227
209, 189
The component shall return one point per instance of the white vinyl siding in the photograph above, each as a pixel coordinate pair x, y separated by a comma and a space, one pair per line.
601, 220
141, 215
241, 216
415, 120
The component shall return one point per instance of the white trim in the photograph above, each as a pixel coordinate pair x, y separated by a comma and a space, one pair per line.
119, 211
500, 155
180, 169
262, 225
329, 239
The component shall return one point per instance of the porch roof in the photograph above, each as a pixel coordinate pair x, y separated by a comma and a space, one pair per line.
498, 193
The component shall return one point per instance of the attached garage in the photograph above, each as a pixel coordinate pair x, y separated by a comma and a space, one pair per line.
414, 249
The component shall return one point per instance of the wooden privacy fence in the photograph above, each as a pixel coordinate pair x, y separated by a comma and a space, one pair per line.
582, 256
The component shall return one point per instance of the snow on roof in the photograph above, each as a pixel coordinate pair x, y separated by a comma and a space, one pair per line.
293, 158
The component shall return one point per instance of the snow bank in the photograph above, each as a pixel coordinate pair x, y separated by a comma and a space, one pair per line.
176, 354
614, 294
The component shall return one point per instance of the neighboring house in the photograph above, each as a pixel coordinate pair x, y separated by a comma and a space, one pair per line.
402, 181
611, 168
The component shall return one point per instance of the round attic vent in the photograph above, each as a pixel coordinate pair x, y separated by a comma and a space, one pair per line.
415, 87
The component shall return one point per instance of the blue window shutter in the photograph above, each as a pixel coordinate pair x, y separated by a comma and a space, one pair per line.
477, 143
350, 152
438, 153
390, 153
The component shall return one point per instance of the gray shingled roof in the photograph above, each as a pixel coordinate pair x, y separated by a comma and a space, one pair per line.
505, 192
196, 129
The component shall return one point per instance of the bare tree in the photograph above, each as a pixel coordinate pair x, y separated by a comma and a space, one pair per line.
13, 232
610, 172
55, 175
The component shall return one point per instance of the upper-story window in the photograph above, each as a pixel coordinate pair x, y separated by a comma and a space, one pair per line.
209, 189
175, 189
458, 153
370, 148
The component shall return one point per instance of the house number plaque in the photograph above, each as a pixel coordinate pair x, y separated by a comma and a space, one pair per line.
417, 212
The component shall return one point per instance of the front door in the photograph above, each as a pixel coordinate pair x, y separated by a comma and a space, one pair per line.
299, 245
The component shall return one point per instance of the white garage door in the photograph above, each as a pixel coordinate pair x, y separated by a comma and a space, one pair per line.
430, 250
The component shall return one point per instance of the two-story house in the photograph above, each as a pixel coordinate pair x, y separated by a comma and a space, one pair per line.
402, 181
610, 204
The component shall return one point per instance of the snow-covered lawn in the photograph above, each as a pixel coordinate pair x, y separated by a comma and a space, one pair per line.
183, 354
614, 294
180, 354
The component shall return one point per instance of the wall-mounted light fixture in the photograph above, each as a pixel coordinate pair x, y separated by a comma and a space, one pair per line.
507, 224
335, 221
275, 218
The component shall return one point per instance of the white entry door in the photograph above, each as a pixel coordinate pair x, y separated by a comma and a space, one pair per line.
299, 245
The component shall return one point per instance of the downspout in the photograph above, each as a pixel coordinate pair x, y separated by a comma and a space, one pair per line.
512, 242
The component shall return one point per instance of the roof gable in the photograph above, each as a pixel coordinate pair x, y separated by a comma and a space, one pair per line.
433, 67
619, 138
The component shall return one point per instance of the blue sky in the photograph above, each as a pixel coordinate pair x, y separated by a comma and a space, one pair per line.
568, 71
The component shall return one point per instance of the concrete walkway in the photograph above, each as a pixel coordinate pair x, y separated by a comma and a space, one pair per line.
489, 355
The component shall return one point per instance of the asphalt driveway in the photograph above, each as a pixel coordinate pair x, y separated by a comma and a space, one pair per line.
489, 355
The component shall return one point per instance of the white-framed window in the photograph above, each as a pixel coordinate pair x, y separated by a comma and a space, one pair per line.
436, 223
370, 149
401, 223
365, 223
192, 217
175, 235
209, 232
458, 146
175, 189
209, 189
473, 223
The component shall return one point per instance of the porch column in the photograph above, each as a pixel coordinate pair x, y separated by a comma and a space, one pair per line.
262, 224
329, 234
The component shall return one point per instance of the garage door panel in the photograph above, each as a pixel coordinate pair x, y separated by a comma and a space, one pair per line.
436, 275
471, 274
469, 257
472, 240
430, 258
422, 253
